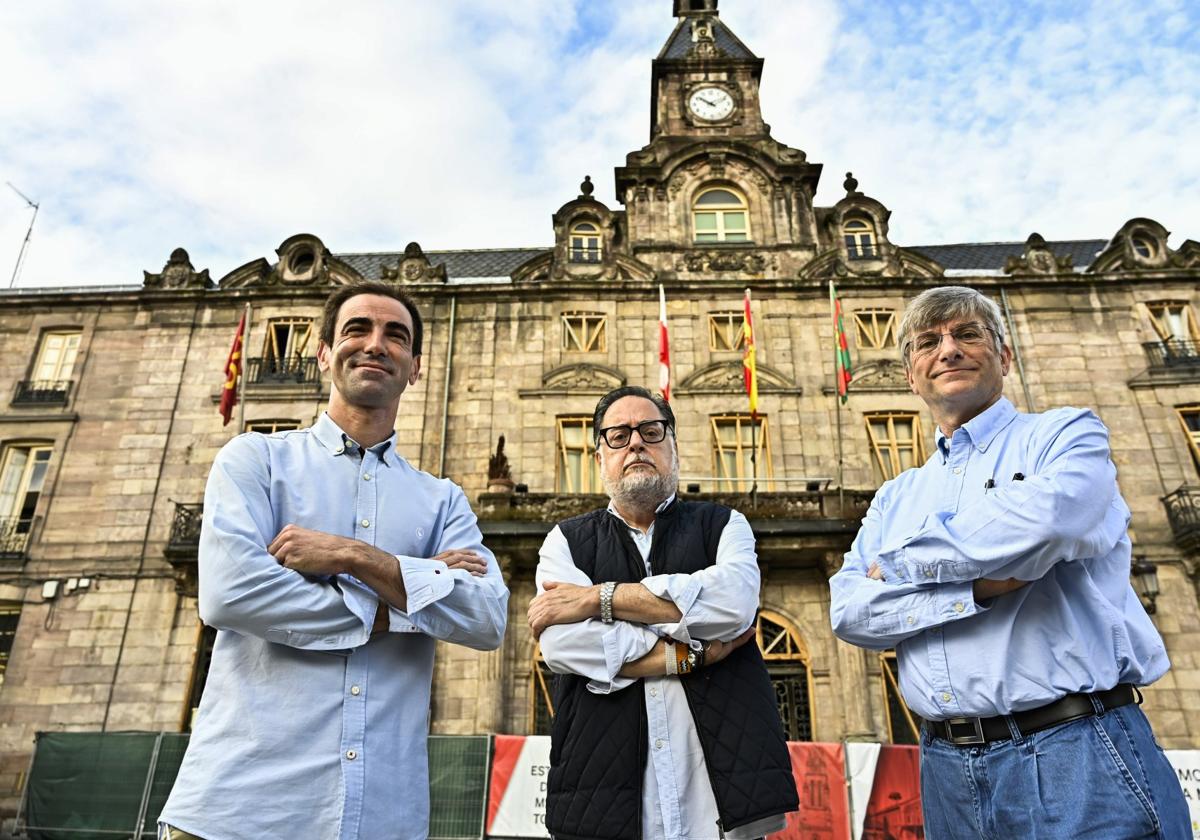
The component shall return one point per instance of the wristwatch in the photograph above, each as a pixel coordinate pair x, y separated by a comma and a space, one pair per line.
606, 595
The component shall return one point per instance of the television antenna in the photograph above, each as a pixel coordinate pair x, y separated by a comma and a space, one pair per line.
28, 233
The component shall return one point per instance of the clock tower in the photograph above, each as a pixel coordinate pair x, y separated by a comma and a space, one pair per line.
710, 145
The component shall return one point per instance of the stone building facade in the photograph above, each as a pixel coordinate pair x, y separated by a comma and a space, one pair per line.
112, 424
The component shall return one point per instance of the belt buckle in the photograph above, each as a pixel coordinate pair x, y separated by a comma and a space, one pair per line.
975, 736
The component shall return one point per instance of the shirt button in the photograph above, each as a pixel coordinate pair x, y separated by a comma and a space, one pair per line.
658, 745
654, 692
911, 620
355, 690
351, 755
957, 470
959, 606
929, 573
339, 450
366, 523
366, 476
946, 696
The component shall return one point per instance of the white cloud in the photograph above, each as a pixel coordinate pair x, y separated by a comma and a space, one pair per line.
226, 127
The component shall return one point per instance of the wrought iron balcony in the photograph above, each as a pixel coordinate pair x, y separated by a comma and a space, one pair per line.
862, 251
183, 545
268, 371
1183, 512
14, 538
42, 392
1172, 354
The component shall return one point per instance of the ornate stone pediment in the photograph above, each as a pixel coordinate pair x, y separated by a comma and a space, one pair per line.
414, 267
1141, 245
727, 377
304, 261
880, 375
716, 261
895, 262
1037, 259
589, 378
178, 273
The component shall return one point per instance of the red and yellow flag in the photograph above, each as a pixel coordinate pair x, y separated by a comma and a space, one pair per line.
233, 372
664, 347
749, 367
841, 351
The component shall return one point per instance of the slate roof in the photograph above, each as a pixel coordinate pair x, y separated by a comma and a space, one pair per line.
481, 262
681, 41
990, 256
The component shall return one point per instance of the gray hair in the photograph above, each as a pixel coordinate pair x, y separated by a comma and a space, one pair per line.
948, 303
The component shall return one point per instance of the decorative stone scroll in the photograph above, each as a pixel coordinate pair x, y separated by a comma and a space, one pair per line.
178, 273
725, 261
414, 267
1037, 259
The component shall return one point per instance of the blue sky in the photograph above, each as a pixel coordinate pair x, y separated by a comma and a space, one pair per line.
226, 127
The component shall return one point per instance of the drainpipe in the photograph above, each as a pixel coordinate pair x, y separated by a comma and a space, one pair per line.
1016, 348
446, 388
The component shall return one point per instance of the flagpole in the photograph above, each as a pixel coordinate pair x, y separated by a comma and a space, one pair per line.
245, 370
837, 401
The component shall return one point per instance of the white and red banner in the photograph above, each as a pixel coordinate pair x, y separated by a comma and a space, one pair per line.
846, 792
664, 347
517, 795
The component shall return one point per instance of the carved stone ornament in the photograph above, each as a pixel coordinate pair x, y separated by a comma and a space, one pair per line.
499, 476
728, 376
716, 261
178, 273
414, 267
1037, 259
703, 43
880, 375
583, 377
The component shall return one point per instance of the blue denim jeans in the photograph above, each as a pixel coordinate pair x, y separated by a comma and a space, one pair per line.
1101, 778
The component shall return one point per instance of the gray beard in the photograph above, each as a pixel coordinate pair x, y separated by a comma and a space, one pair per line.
644, 492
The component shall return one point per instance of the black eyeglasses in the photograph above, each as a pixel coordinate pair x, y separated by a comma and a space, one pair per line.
968, 335
618, 437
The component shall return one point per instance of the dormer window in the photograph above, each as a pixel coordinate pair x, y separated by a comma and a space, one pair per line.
1143, 247
585, 243
720, 215
860, 239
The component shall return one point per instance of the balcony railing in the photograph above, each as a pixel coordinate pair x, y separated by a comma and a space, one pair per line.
269, 371
14, 538
1172, 353
1183, 512
42, 392
185, 528
862, 251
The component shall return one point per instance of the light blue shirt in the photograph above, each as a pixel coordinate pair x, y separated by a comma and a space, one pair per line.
310, 727
935, 529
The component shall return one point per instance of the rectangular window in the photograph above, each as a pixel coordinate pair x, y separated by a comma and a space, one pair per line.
1173, 320
287, 343
902, 726
56, 355
734, 438
22, 476
875, 328
896, 443
10, 616
267, 427
575, 469
1189, 417
726, 330
585, 332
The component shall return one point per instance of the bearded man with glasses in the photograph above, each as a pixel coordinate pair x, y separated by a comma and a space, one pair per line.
999, 571
665, 719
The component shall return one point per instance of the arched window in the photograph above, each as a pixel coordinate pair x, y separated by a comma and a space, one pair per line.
585, 243
860, 239
541, 715
720, 215
787, 660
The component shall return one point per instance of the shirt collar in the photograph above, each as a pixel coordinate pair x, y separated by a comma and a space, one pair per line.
666, 503
981, 429
337, 442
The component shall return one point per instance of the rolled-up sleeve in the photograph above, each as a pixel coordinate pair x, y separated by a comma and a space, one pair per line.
718, 602
242, 587
587, 648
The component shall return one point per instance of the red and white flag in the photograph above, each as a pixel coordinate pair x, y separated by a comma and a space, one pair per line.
664, 347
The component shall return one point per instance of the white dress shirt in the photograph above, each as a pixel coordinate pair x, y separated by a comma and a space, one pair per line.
717, 603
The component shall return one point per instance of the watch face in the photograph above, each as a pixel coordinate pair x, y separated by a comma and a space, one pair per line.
711, 103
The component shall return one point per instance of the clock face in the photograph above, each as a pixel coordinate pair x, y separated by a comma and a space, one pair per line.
711, 103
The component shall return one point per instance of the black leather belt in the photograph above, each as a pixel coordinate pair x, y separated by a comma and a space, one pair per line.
965, 732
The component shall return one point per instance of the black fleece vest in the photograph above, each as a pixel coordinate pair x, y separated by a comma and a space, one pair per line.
598, 744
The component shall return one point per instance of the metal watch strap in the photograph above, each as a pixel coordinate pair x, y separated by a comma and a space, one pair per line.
606, 597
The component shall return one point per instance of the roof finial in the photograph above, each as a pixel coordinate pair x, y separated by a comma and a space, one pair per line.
585, 189
683, 8
851, 184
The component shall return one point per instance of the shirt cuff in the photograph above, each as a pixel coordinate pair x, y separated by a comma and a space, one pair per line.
900, 566
425, 580
681, 590
623, 642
